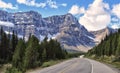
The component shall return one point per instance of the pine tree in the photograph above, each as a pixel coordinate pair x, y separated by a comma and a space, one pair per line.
3, 46
13, 44
18, 55
118, 49
109, 46
31, 58
44, 55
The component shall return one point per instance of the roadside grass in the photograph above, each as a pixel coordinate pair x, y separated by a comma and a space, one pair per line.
47, 64
50, 63
107, 60
54, 62
4, 67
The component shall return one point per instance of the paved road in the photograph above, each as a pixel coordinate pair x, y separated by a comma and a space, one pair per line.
77, 65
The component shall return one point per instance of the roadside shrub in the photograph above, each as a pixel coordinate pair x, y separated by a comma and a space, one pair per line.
13, 70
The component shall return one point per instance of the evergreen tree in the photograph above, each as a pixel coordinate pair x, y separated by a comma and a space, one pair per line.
109, 46
3, 46
18, 55
118, 49
31, 58
13, 44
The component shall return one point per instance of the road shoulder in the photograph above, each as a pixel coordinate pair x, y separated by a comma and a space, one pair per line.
101, 67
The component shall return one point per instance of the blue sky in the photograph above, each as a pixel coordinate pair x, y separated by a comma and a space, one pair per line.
47, 11
85, 10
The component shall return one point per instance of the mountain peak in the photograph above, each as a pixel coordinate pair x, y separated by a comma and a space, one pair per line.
65, 28
101, 34
69, 14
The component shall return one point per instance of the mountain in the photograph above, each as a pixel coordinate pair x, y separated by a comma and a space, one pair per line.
101, 34
70, 33
65, 28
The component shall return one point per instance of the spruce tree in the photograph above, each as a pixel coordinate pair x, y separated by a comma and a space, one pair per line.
18, 55
3, 46
31, 58
13, 44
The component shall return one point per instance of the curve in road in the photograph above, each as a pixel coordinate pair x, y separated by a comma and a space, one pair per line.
77, 65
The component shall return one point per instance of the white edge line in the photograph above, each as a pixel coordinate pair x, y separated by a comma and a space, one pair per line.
91, 64
92, 67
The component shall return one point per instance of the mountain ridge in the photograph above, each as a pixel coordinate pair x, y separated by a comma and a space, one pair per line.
64, 28
101, 34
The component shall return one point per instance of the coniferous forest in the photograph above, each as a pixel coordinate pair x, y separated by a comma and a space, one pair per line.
24, 55
109, 47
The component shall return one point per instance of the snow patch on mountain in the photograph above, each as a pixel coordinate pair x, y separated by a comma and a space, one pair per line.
64, 28
6, 23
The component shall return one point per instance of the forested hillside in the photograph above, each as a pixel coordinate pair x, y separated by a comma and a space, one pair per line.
7, 46
24, 55
109, 46
108, 50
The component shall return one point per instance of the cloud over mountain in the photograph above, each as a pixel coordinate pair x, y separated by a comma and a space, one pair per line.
5, 5
75, 9
98, 15
49, 3
116, 10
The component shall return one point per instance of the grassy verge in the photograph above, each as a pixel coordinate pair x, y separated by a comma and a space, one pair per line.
53, 62
47, 64
4, 67
107, 60
50, 63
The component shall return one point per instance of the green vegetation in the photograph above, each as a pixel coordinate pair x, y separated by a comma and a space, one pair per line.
108, 50
13, 70
77, 54
51, 62
7, 46
30, 54
23, 55
108, 60
19, 54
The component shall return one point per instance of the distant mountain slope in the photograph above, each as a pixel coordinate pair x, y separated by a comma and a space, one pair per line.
65, 28
101, 34
108, 50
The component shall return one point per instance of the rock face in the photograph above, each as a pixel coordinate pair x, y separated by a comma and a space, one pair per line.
101, 34
65, 28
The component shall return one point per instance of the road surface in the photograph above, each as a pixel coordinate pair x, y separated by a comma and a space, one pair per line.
77, 65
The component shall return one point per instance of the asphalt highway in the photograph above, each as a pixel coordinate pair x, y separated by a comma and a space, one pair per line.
77, 65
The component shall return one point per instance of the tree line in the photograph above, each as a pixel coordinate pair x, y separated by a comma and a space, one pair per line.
7, 46
110, 46
27, 54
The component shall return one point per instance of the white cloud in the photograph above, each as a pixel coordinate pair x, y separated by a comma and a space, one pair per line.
31, 3
9, 24
96, 17
50, 3
115, 26
5, 5
115, 23
116, 10
75, 9
42, 5
21, 1
64, 4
